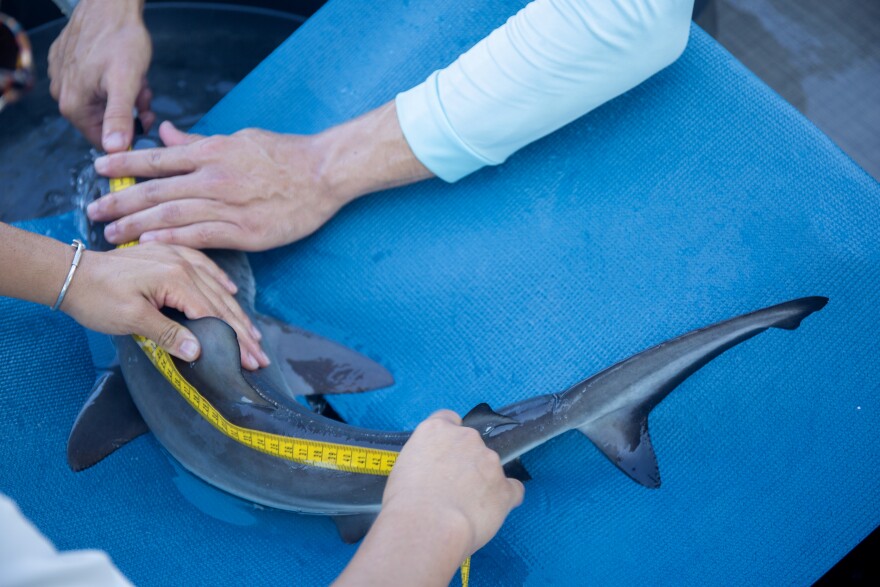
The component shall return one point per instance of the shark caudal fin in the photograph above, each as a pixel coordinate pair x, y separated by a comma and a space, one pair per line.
629, 390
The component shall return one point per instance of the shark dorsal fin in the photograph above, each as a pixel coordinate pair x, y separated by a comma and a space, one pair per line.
623, 437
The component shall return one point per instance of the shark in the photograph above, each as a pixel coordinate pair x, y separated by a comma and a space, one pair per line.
131, 396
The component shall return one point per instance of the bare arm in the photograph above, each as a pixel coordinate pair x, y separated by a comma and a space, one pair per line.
446, 497
253, 190
256, 190
122, 291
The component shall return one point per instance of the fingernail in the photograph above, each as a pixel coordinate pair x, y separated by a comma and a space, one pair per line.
256, 333
115, 141
110, 231
147, 237
265, 358
101, 164
92, 210
189, 349
252, 362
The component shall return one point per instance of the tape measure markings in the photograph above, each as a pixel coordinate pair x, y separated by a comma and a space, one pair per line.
315, 453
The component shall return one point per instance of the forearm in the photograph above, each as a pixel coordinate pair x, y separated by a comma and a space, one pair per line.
407, 547
365, 155
549, 64
33, 266
132, 6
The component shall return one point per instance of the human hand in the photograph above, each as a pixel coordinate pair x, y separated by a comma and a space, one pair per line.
253, 190
446, 473
122, 291
98, 69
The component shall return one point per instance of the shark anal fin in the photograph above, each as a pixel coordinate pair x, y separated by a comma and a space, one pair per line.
623, 438
354, 527
108, 420
312, 364
486, 421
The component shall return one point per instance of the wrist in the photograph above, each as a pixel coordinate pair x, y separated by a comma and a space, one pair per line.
448, 530
125, 11
71, 304
365, 155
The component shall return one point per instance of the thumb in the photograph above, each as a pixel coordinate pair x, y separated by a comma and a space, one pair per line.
172, 137
118, 128
171, 336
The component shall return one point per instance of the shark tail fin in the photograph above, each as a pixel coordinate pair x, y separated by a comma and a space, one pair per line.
644, 380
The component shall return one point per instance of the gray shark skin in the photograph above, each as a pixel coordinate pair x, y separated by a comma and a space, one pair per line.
611, 408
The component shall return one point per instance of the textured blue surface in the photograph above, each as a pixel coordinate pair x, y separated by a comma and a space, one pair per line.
695, 197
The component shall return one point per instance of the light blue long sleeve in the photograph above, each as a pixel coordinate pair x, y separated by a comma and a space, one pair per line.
551, 63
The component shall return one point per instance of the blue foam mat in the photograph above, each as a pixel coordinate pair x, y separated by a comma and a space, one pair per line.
695, 197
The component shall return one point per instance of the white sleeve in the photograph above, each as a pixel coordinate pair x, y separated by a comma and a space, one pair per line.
551, 63
28, 559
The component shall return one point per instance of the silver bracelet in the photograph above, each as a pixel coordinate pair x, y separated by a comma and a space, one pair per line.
77, 244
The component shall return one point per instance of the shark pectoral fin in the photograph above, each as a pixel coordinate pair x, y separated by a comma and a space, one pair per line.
108, 420
354, 527
312, 364
623, 438
516, 470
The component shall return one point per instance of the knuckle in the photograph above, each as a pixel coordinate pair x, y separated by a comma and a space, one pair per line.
127, 227
154, 159
247, 133
151, 192
211, 145
169, 212
66, 106
205, 236
167, 335
431, 426
108, 204
470, 435
176, 271
490, 459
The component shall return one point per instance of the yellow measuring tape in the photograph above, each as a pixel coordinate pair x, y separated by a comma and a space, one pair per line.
329, 455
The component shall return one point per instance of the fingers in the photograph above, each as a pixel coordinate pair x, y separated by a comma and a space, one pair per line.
517, 492
144, 195
172, 137
447, 415
515, 489
169, 335
204, 235
122, 86
224, 306
85, 116
159, 162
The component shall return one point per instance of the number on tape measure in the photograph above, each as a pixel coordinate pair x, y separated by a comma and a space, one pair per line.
316, 453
